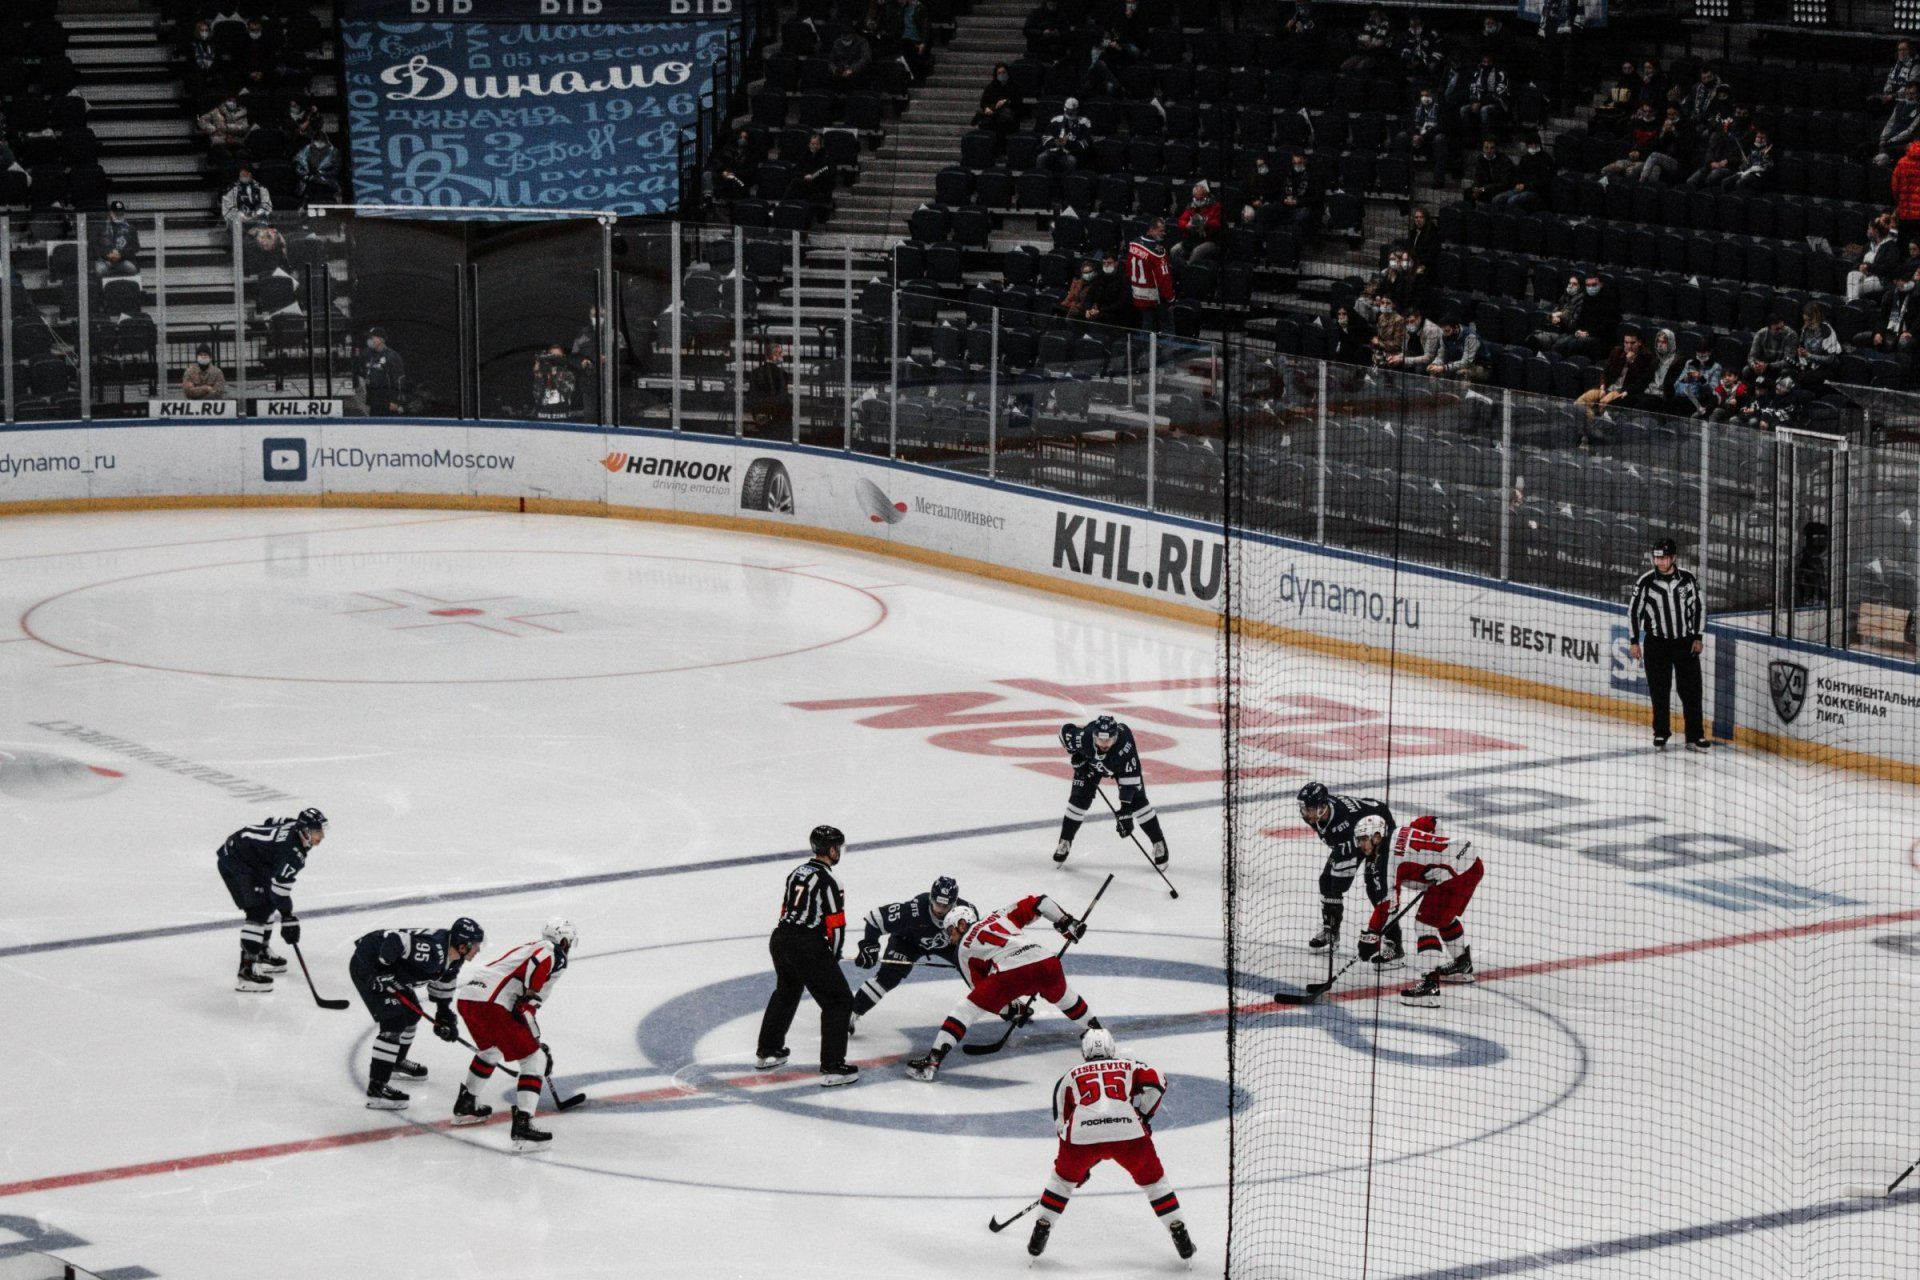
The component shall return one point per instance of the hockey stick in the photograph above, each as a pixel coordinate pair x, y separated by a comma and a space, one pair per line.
308, 973
994, 1224
564, 1104
1142, 848
1315, 990
1023, 1008
1895, 1184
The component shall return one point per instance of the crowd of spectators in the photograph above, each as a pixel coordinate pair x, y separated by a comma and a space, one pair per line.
49, 154
249, 74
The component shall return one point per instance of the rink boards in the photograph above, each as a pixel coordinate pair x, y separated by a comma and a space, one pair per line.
1847, 710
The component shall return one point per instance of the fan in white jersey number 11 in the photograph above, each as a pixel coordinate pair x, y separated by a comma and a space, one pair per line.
1020, 1012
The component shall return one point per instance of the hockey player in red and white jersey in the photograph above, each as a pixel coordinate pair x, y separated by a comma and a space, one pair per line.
1445, 874
1007, 970
1103, 1110
500, 1004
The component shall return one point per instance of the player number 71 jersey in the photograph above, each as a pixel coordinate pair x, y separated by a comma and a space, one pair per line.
1108, 1100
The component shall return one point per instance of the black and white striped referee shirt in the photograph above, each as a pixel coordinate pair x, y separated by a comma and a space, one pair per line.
815, 902
1666, 607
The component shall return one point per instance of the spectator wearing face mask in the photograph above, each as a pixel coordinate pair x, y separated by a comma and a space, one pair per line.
203, 379
1264, 188
317, 169
1111, 301
848, 60
1398, 279
1426, 134
1079, 295
116, 244
1757, 172
1419, 344
1199, 226
1563, 319
1000, 106
1300, 197
1389, 331
1693, 389
1532, 179
226, 126
246, 201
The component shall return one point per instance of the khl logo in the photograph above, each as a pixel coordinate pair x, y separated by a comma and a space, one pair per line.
1787, 681
283, 458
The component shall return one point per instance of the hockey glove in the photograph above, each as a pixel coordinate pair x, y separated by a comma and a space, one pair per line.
868, 955
1125, 825
290, 930
1071, 929
443, 1024
386, 982
1369, 947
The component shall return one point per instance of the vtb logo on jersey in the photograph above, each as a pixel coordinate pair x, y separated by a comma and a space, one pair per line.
1787, 681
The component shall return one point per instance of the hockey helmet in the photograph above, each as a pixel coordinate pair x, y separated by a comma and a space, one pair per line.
962, 917
1313, 795
1373, 826
1097, 1044
825, 837
312, 819
945, 892
1105, 727
466, 932
560, 932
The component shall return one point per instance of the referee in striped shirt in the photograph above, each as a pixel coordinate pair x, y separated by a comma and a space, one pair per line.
806, 948
1666, 626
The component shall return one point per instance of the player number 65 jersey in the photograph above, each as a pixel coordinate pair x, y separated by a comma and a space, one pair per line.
1107, 1100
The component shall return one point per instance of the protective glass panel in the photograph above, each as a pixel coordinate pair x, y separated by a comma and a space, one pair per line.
123, 347
47, 265
406, 278
644, 299
536, 341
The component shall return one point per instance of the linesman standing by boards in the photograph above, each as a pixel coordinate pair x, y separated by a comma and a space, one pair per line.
1666, 626
806, 947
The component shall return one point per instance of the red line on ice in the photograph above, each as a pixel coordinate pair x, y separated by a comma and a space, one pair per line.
361, 1137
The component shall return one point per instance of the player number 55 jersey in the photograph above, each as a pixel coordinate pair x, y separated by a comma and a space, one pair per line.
1109, 1100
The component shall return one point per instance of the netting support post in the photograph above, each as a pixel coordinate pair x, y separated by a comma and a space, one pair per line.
893, 367
239, 383
1701, 554
83, 281
846, 346
1153, 408
1320, 459
993, 388
159, 297
679, 309
603, 332
1506, 485
6, 314
793, 350
739, 332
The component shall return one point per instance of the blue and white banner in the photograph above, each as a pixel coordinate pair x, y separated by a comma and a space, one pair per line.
544, 10
553, 116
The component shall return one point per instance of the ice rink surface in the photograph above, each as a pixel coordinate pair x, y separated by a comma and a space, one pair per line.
635, 725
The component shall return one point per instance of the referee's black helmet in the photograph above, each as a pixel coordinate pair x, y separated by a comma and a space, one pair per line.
826, 837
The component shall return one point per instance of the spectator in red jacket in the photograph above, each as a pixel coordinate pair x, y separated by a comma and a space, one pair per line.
1906, 193
1199, 228
1152, 281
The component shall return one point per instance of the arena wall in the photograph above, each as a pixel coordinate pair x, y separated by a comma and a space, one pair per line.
1850, 710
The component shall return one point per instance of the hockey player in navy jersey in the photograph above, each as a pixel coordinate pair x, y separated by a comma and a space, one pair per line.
1103, 748
916, 930
1334, 819
259, 865
387, 965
